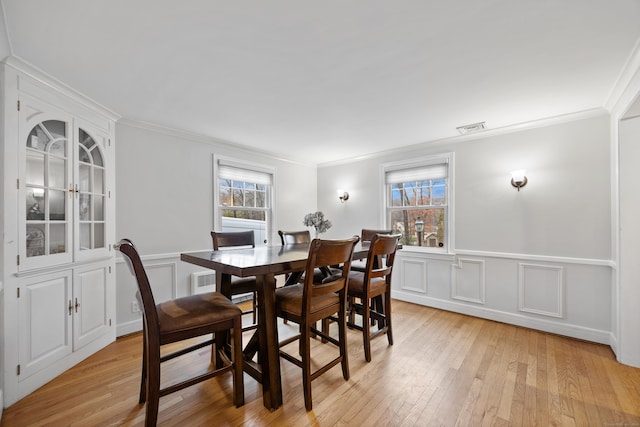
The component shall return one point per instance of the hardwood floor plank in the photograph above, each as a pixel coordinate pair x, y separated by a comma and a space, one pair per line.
444, 369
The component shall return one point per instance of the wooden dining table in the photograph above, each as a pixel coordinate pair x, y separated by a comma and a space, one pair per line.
265, 263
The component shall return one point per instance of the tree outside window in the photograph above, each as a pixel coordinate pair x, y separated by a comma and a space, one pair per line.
241, 199
417, 201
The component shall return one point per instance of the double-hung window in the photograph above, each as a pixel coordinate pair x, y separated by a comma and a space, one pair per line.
243, 197
418, 201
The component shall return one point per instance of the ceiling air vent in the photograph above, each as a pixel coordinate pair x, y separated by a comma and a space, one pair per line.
475, 127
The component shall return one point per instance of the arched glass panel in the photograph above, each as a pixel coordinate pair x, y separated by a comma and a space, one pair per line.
91, 206
46, 189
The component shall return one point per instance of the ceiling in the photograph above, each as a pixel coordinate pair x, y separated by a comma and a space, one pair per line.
327, 80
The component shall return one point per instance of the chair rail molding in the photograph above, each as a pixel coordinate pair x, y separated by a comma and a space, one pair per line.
539, 258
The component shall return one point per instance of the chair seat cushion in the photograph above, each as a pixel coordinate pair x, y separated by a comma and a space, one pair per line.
358, 265
356, 284
194, 311
289, 299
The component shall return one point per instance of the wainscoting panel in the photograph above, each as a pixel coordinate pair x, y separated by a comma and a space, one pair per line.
468, 280
167, 282
541, 289
164, 280
566, 296
412, 274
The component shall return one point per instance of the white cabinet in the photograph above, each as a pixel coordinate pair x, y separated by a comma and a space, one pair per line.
44, 328
60, 313
58, 212
91, 312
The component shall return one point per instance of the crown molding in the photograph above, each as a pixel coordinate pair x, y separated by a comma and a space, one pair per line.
63, 89
208, 140
627, 86
548, 121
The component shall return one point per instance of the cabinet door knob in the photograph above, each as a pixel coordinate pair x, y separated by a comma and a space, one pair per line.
77, 305
70, 308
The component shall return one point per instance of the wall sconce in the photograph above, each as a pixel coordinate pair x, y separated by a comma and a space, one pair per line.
343, 196
518, 179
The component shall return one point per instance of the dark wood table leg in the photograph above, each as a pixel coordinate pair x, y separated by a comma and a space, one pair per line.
269, 354
223, 285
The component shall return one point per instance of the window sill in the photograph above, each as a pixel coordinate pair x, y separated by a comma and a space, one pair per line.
428, 253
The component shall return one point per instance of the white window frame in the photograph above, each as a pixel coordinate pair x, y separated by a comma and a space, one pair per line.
450, 211
250, 167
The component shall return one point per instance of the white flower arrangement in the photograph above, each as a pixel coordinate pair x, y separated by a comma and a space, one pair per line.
316, 220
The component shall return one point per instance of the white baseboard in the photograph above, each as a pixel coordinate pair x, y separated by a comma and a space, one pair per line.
129, 327
574, 331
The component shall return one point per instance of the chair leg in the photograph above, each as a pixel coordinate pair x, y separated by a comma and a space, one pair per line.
238, 381
220, 341
366, 329
387, 316
342, 336
255, 305
153, 387
352, 309
305, 338
325, 329
143, 375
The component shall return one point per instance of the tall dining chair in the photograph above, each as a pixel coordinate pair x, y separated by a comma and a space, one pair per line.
365, 237
309, 302
373, 283
179, 320
240, 285
296, 238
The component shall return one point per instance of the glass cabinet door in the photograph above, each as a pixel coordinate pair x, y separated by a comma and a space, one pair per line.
46, 199
63, 187
91, 193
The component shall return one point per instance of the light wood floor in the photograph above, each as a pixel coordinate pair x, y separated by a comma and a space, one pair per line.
444, 369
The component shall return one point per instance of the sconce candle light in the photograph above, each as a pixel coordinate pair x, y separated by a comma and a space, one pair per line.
518, 179
343, 196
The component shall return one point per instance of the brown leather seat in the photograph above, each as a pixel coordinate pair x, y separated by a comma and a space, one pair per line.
373, 283
178, 320
309, 302
240, 285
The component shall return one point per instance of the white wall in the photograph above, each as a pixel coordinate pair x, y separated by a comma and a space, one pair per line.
629, 334
563, 211
164, 198
4, 39
540, 257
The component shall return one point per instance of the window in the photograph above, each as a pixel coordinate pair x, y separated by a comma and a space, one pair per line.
417, 201
243, 198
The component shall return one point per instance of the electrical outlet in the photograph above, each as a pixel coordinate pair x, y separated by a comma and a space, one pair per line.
135, 308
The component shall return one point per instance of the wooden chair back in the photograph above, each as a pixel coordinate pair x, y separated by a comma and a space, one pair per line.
367, 233
144, 294
321, 254
294, 237
232, 239
380, 258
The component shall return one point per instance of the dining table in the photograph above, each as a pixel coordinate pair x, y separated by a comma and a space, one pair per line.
265, 263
